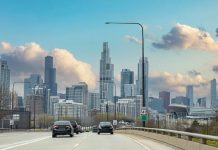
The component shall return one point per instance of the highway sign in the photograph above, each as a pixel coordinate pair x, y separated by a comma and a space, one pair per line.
115, 122
143, 111
11, 122
144, 118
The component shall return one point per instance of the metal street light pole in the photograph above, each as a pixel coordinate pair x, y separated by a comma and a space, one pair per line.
143, 73
115, 101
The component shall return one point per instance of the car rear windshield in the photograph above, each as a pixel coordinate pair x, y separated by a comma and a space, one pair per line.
105, 123
62, 123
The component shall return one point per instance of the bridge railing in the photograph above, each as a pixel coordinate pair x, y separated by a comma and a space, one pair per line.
179, 134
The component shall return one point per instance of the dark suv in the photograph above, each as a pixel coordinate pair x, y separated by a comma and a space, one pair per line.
62, 128
105, 127
75, 127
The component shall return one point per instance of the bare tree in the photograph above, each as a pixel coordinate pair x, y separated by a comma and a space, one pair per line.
4, 101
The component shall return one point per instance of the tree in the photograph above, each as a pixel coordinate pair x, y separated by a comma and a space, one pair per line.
195, 127
44, 120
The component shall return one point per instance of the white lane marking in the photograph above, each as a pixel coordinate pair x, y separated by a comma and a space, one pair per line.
10, 146
84, 137
75, 146
141, 144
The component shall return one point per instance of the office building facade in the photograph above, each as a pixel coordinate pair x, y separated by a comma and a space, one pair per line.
189, 94
139, 79
129, 90
213, 93
30, 83
50, 76
127, 77
78, 93
165, 96
94, 101
4, 85
106, 75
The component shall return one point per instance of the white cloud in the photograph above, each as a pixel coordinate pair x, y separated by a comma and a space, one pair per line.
29, 58
186, 37
71, 70
176, 83
133, 39
5, 47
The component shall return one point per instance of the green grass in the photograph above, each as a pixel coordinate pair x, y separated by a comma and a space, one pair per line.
209, 142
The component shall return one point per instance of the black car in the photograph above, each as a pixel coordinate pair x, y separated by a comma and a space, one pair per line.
62, 128
105, 127
75, 127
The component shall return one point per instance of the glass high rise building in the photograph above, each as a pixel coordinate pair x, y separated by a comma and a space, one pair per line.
4, 85
78, 93
106, 75
139, 80
127, 77
30, 83
165, 96
189, 94
213, 93
50, 75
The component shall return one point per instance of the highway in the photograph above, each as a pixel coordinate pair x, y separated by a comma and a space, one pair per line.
84, 141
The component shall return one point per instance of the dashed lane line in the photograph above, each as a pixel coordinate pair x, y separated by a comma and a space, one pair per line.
17, 144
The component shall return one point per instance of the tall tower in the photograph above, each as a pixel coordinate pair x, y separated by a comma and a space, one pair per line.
213, 93
50, 75
106, 75
139, 80
127, 77
4, 85
189, 94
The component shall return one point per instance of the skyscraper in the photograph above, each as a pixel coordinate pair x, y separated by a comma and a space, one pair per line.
127, 77
94, 101
213, 93
78, 93
129, 90
30, 83
165, 96
139, 80
4, 85
189, 94
50, 76
106, 75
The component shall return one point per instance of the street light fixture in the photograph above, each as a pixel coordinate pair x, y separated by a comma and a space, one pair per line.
143, 73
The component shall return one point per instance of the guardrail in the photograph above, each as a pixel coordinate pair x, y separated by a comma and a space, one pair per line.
177, 134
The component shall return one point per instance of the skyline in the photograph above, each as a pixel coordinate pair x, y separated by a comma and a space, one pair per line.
29, 31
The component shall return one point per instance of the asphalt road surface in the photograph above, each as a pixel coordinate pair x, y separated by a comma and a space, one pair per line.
84, 141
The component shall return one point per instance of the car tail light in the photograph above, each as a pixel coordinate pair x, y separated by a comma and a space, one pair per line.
55, 127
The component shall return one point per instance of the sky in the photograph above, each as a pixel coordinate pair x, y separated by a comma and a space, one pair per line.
180, 40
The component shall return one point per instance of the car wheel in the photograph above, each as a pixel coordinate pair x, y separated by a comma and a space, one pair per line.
77, 132
53, 135
71, 135
98, 132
